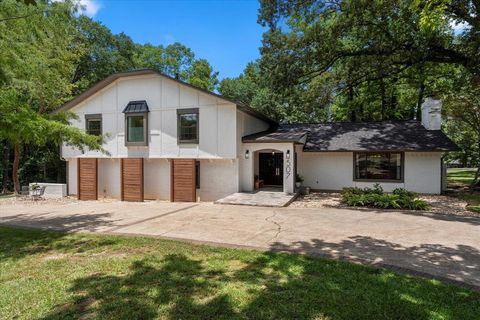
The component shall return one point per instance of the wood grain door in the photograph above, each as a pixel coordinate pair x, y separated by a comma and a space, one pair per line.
87, 170
132, 179
183, 180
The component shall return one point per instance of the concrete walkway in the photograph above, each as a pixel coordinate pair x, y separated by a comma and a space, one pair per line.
441, 246
264, 198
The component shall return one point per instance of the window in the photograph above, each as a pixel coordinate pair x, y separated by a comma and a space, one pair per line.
136, 123
136, 130
187, 125
197, 174
385, 166
93, 124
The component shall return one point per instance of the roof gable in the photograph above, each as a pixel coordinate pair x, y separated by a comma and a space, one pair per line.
112, 78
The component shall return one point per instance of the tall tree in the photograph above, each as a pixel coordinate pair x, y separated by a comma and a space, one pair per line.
463, 109
38, 56
103, 52
370, 51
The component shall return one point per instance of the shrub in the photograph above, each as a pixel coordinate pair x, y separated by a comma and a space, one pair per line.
375, 197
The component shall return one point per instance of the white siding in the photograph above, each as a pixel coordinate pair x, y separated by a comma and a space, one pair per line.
109, 180
164, 96
248, 166
156, 179
218, 178
334, 171
72, 176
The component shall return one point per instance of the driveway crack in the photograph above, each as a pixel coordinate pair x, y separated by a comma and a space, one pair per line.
278, 225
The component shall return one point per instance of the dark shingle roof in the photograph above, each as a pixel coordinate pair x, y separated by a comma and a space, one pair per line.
281, 134
362, 136
139, 106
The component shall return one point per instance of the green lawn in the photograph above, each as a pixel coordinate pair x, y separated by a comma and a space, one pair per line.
7, 195
461, 175
465, 176
47, 275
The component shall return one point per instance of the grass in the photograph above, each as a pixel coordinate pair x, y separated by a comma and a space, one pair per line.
461, 175
50, 275
7, 195
465, 176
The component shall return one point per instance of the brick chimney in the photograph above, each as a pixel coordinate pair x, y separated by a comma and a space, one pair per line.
432, 113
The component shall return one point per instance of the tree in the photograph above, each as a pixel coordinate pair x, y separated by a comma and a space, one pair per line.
463, 107
38, 56
103, 53
201, 75
373, 54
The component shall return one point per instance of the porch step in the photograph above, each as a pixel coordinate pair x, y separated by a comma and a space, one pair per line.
260, 198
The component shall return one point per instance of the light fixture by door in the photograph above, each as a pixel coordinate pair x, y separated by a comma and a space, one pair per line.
247, 154
273, 153
288, 154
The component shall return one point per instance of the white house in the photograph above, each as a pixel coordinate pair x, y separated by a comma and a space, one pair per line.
169, 140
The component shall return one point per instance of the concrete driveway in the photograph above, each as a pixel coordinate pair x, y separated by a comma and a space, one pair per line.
445, 247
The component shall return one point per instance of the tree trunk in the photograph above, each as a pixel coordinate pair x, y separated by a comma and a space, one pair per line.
16, 165
353, 111
5, 165
477, 173
383, 100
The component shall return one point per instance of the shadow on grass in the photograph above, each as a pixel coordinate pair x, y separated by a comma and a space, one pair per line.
181, 281
263, 286
89, 221
460, 265
17, 243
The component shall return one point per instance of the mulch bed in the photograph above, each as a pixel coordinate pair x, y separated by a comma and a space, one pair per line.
442, 204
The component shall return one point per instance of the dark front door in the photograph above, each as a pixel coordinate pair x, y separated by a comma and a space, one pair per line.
271, 168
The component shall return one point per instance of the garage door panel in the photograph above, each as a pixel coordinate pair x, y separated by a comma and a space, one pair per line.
183, 180
87, 179
132, 179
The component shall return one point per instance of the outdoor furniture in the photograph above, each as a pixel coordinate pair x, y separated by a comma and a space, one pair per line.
38, 193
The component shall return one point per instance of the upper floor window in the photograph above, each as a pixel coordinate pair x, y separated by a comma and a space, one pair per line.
188, 125
93, 124
136, 123
378, 166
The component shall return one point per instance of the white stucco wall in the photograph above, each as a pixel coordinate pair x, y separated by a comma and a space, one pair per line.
72, 176
217, 130
156, 179
109, 180
218, 178
247, 166
334, 171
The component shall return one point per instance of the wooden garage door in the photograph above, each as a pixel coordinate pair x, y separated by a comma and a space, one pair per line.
132, 179
183, 180
87, 179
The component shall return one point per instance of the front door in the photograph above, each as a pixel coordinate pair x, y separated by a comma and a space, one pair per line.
271, 168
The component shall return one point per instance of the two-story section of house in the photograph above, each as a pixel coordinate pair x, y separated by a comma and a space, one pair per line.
165, 140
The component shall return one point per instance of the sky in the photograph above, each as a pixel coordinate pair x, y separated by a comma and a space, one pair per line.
226, 33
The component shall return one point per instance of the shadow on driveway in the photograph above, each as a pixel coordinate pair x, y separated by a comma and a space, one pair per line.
460, 265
